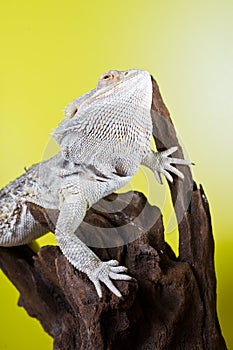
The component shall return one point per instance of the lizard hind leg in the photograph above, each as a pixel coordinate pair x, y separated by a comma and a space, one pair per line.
17, 225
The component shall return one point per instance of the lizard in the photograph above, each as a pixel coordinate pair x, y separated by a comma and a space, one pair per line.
104, 138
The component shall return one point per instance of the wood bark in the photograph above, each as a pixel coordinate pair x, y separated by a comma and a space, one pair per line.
171, 301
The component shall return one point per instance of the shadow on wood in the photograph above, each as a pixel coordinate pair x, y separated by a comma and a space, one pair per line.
170, 303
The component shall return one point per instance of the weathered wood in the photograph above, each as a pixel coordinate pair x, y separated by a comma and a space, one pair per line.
170, 303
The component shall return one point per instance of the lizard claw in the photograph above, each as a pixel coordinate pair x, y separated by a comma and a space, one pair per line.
164, 162
104, 273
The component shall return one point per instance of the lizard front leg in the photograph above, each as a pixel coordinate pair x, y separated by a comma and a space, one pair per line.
72, 212
160, 163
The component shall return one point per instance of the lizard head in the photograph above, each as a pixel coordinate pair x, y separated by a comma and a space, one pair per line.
106, 82
118, 95
114, 76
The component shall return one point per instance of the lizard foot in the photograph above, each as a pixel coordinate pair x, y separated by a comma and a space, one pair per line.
163, 165
104, 273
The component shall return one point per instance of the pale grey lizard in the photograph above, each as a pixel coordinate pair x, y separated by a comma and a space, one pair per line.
103, 140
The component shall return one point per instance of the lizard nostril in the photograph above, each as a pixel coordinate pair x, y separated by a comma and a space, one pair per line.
126, 73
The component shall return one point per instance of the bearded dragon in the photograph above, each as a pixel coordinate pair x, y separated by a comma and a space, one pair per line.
103, 140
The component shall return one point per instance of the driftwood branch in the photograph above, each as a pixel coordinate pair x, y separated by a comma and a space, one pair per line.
170, 303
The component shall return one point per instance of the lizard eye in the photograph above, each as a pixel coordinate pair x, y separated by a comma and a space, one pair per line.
108, 76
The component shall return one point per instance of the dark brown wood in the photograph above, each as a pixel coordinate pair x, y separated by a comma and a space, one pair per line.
170, 303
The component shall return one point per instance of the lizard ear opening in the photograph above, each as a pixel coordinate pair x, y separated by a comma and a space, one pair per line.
71, 110
75, 110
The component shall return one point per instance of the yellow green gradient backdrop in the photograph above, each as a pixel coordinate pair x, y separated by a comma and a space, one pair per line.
53, 51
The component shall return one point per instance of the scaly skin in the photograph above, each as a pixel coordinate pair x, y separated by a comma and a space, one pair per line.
103, 139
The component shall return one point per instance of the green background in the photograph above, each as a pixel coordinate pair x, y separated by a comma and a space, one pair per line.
53, 51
